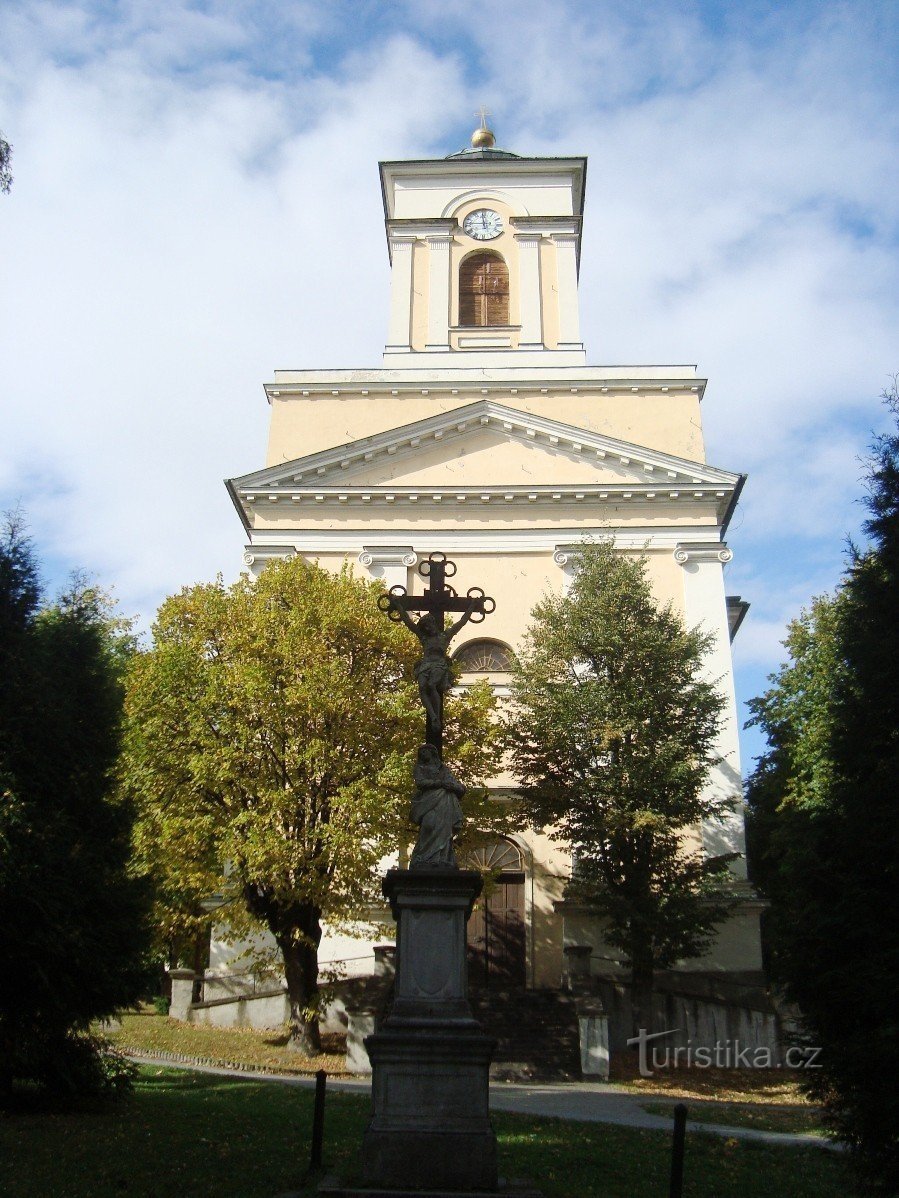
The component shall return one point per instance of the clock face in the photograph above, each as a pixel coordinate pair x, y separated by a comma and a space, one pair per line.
483, 224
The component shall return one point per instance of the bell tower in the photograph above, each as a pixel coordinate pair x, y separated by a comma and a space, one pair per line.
484, 250
485, 436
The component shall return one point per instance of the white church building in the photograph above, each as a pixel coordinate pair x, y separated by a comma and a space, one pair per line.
484, 435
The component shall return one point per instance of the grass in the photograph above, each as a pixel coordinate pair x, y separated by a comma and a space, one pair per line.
759, 1115
145, 1031
765, 1087
245, 1138
764, 1099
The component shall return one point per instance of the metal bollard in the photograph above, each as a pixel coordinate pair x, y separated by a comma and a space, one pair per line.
677, 1152
318, 1121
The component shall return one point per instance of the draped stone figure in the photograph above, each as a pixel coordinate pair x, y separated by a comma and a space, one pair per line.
437, 810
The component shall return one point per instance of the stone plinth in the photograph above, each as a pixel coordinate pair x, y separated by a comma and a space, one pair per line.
430, 1128
182, 993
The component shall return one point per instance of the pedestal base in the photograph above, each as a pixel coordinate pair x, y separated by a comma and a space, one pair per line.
430, 1123
430, 1129
331, 1187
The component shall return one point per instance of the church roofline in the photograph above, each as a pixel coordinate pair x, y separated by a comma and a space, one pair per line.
577, 165
509, 381
668, 470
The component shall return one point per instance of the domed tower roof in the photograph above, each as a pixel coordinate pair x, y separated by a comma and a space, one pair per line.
483, 142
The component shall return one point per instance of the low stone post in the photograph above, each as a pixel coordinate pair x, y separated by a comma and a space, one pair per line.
385, 960
593, 1026
182, 993
360, 1025
577, 964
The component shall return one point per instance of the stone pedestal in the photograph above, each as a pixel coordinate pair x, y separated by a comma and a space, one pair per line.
182, 993
430, 1128
576, 970
593, 1029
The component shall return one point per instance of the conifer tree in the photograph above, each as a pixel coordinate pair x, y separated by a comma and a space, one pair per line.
825, 810
72, 918
612, 734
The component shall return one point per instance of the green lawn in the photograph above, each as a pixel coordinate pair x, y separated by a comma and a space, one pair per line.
146, 1031
194, 1134
763, 1117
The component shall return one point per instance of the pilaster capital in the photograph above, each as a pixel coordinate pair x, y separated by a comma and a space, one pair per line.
258, 555
547, 226
421, 228
387, 555
703, 551
563, 554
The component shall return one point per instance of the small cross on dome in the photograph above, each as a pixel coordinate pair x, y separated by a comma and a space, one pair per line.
482, 138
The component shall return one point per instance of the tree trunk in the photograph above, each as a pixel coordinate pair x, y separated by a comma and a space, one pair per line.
300, 956
199, 963
642, 978
297, 929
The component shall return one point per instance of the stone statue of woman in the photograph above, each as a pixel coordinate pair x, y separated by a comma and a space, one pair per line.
437, 811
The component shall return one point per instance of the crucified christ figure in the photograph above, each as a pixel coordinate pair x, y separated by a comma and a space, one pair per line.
434, 672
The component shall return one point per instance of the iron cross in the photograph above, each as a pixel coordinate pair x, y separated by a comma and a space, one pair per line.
434, 672
439, 598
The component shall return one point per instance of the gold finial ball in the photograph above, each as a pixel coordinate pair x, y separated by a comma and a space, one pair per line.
482, 139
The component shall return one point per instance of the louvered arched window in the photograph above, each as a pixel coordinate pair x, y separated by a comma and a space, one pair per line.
483, 291
484, 657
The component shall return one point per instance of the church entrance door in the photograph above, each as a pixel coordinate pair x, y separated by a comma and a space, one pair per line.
496, 938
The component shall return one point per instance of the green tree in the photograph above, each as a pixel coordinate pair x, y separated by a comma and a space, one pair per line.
612, 735
796, 772
73, 917
270, 736
5, 169
824, 799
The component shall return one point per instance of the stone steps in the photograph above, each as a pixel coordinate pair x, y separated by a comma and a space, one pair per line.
536, 1031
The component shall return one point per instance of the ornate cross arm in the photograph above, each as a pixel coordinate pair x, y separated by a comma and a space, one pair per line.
433, 671
439, 597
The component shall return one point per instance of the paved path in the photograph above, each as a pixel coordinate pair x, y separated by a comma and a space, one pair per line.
586, 1102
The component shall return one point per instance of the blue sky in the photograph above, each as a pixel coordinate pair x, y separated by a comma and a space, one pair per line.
742, 213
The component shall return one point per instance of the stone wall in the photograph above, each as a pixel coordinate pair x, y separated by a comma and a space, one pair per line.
243, 1000
697, 1021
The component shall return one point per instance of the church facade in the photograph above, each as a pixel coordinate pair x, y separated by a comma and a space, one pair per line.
484, 435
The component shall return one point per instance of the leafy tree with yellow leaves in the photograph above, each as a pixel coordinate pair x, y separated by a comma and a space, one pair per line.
269, 739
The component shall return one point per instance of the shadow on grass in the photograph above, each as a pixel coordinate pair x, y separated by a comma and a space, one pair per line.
187, 1133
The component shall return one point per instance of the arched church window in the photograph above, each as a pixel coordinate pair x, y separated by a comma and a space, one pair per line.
483, 290
484, 657
495, 856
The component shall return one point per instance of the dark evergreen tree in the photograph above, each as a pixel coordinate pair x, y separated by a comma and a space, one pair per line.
5, 169
612, 733
826, 814
72, 918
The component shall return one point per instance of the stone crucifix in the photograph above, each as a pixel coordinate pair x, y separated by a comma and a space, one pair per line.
434, 672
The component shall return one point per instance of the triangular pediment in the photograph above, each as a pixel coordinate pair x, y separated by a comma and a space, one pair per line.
486, 446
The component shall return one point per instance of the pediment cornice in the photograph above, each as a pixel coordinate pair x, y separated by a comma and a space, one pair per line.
332, 475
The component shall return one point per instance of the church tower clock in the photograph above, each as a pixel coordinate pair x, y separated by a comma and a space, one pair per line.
484, 251
485, 435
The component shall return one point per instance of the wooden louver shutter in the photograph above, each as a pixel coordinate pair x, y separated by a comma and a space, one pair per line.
484, 291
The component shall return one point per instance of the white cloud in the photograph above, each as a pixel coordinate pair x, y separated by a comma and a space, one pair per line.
158, 235
171, 159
